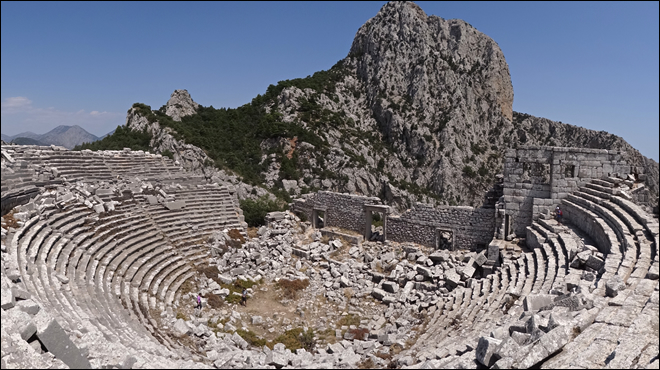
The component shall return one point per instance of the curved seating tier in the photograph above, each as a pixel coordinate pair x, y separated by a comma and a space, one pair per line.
106, 272
623, 232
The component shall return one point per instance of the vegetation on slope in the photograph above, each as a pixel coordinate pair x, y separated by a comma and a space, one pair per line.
122, 138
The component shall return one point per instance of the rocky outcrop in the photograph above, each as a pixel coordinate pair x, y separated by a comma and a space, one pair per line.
420, 110
188, 156
425, 107
180, 104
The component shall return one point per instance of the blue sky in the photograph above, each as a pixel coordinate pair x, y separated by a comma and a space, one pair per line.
589, 64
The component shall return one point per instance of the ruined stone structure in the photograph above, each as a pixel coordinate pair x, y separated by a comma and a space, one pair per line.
536, 179
442, 227
348, 211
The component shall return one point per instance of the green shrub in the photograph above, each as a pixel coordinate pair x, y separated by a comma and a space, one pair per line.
469, 172
251, 338
296, 338
123, 137
167, 153
255, 211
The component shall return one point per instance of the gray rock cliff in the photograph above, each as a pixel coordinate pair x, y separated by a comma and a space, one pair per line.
180, 105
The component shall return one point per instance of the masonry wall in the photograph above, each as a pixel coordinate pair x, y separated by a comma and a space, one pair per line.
342, 210
537, 178
472, 227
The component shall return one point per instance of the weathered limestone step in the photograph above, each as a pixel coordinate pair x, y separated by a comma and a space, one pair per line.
618, 226
540, 271
593, 225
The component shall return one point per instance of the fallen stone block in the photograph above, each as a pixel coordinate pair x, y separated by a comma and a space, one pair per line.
426, 272
152, 199
520, 337
614, 285
439, 256
28, 306
485, 350
574, 302
225, 279
468, 271
20, 294
98, 208
28, 331
176, 205
387, 339
548, 345
238, 271
452, 279
595, 263
7, 299
57, 342
344, 282
389, 299
65, 198
379, 294
257, 320
535, 302
128, 362
181, 328
480, 258
276, 359
391, 287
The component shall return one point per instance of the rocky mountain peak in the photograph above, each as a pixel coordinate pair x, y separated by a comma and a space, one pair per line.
180, 105
409, 55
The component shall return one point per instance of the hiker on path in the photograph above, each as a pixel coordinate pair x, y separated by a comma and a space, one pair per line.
199, 302
244, 297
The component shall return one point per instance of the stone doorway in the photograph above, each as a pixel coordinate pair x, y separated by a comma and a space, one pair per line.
444, 239
318, 218
382, 212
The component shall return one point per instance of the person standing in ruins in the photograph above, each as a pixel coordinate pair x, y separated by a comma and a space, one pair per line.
558, 214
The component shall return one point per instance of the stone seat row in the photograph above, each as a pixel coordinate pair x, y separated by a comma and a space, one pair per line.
91, 260
636, 234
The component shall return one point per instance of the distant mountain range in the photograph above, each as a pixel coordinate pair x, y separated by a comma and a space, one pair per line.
66, 136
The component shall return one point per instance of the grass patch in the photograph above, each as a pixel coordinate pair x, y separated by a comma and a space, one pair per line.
214, 301
349, 320
237, 240
251, 338
290, 288
181, 315
359, 333
187, 287
295, 338
8, 220
366, 364
252, 232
